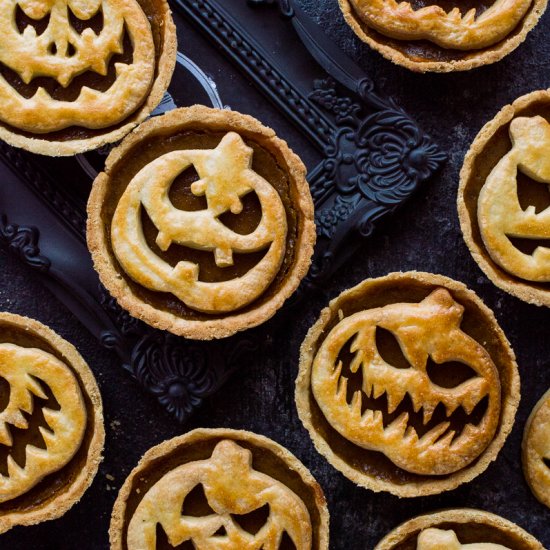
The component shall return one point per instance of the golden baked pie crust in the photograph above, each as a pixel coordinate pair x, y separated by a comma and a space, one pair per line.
213, 120
64, 497
164, 34
155, 455
427, 484
467, 207
485, 56
535, 447
405, 534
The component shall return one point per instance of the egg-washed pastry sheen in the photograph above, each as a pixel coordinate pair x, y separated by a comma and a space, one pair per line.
76, 74
458, 529
220, 489
51, 424
442, 36
536, 450
504, 199
400, 391
202, 223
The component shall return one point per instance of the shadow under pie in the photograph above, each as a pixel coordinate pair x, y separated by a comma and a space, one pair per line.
407, 384
212, 486
51, 423
504, 199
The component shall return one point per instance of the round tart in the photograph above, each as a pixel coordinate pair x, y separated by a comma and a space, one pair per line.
75, 75
407, 384
536, 450
51, 423
456, 529
220, 488
202, 223
504, 199
443, 36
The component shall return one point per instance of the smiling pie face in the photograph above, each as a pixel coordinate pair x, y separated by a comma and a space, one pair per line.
220, 489
443, 36
504, 199
458, 529
75, 74
536, 450
400, 391
205, 231
51, 430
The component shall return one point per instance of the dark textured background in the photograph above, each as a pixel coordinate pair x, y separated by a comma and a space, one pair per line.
425, 235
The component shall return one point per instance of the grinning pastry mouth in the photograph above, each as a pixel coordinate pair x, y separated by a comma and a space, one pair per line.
419, 420
89, 79
36, 425
528, 246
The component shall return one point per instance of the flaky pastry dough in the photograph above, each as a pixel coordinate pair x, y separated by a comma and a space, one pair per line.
231, 486
62, 53
448, 30
225, 176
536, 450
439, 539
500, 214
427, 329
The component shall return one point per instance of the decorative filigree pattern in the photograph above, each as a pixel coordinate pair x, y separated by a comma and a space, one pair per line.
23, 242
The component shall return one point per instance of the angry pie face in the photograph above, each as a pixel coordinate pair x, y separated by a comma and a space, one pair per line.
51, 429
403, 380
73, 64
213, 489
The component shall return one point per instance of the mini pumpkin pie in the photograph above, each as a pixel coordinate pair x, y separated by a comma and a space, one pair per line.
504, 199
75, 75
457, 529
407, 384
219, 488
51, 423
202, 223
536, 450
442, 36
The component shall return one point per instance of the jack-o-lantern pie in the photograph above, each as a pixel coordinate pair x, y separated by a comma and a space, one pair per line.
444, 35
407, 384
459, 529
504, 199
536, 450
77, 74
202, 223
220, 488
51, 423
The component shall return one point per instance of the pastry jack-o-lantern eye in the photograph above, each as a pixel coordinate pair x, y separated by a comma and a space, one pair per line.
405, 380
452, 30
439, 539
220, 502
49, 46
225, 177
502, 220
42, 418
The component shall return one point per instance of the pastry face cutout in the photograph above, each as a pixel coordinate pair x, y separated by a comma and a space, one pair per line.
452, 30
58, 43
394, 408
28, 376
225, 177
536, 450
500, 215
437, 539
233, 489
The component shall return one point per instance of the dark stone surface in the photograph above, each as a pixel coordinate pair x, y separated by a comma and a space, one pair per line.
425, 235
